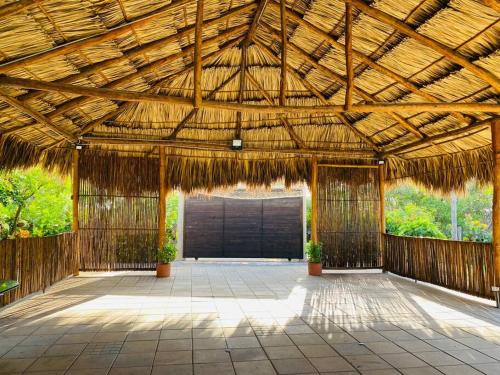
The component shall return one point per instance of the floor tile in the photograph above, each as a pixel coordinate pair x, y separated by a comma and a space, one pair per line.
283, 352
311, 351
173, 358
134, 360
174, 345
293, 366
247, 354
326, 364
211, 356
254, 368
214, 369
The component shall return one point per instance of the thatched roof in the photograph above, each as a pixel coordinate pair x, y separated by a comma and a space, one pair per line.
123, 76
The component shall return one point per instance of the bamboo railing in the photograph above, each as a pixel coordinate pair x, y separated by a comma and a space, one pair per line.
36, 263
459, 265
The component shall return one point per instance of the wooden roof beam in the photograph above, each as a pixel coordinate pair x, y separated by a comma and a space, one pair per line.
146, 69
255, 22
178, 143
295, 17
198, 38
342, 80
79, 44
36, 116
321, 97
453, 133
439, 47
134, 96
289, 128
141, 50
241, 89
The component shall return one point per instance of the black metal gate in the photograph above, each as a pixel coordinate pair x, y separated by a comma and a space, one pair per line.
217, 227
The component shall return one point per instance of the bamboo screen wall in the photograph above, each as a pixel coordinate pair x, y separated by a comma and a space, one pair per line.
118, 220
348, 217
459, 265
36, 263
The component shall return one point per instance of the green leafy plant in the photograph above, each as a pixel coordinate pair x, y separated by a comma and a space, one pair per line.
314, 251
168, 253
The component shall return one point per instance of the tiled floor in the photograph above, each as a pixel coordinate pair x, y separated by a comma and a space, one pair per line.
248, 318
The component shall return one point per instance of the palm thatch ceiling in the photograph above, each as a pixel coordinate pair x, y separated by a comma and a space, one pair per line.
356, 79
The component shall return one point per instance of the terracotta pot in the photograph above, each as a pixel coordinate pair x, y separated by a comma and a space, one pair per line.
314, 269
163, 270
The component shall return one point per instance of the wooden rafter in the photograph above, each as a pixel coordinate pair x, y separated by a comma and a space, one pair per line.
295, 17
348, 55
342, 80
79, 44
149, 68
291, 132
224, 147
256, 19
194, 111
143, 49
198, 37
241, 88
446, 51
36, 116
90, 126
320, 96
133, 96
449, 134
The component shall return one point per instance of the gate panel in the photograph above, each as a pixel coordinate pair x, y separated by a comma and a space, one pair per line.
282, 235
242, 228
203, 227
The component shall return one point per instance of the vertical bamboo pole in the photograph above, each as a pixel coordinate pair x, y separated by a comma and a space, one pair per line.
314, 200
282, 99
162, 209
75, 182
495, 142
381, 189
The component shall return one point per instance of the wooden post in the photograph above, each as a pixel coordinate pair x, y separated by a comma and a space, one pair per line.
282, 100
162, 211
495, 143
75, 186
314, 200
381, 189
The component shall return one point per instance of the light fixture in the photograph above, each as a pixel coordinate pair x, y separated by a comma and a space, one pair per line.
381, 162
237, 144
79, 146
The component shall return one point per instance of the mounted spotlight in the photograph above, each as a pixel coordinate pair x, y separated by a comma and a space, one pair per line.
237, 144
381, 162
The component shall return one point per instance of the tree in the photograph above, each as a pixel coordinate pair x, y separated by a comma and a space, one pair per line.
36, 199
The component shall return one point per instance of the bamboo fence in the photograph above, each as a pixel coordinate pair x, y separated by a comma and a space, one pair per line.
117, 231
36, 263
463, 266
348, 217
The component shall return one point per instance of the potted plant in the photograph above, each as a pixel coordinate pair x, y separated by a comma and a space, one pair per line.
166, 255
313, 252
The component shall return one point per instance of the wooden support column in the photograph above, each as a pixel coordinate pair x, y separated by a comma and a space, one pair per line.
162, 208
314, 200
495, 143
348, 55
75, 187
381, 189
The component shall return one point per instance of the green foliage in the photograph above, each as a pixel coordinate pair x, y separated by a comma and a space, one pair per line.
168, 253
412, 211
172, 213
412, 221
314, 251
34, 200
